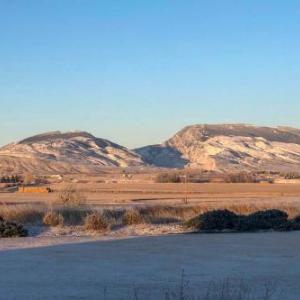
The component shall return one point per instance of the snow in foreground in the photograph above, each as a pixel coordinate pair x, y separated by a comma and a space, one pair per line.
150, 266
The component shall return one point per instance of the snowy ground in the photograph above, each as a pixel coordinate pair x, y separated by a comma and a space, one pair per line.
89, 268
41, 236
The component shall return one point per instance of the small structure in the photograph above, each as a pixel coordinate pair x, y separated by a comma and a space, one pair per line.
34, 189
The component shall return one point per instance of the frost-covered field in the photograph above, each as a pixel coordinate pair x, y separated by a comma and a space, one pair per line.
150, 267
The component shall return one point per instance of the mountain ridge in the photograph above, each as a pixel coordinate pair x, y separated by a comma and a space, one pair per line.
77, 151
217, 147
228, 147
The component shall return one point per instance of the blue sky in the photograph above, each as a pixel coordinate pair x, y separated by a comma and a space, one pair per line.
137, 71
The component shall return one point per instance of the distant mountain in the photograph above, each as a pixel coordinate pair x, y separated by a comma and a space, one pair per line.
56, 152
228, 147
224, 148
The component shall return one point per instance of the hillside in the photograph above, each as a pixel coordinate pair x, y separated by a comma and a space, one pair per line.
225, 148
57, 152
228, 147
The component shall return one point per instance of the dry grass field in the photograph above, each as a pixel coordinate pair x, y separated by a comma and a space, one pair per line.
163, 200
120, 194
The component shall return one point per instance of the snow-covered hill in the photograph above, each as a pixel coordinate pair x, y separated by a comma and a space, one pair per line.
65, 152
228, 147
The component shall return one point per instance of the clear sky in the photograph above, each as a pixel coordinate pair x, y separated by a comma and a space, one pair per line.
137, 71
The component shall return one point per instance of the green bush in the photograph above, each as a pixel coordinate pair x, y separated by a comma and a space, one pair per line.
11, 229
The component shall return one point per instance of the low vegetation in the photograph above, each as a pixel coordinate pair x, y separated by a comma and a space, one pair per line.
53, 218
264, 220
181, 177
11, 229
23, 213
132, 217
295, 223
74, 216
214, 220
96, 221
205, 217
192, 176
168, 177
241, 178
219, 220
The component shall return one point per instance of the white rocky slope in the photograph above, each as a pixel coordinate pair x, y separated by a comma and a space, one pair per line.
229, 147
65, 152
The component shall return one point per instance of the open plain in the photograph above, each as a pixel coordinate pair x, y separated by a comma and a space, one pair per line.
146, 193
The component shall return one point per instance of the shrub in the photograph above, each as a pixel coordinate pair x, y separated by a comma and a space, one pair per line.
22, 213
74, 215
262, 220
241, 178
132, 217
10, 229
163, 214
214, 220
111, 215
53, 218
168, 178
97, 222
295, 223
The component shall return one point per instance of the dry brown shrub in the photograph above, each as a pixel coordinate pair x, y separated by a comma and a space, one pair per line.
242, 177
74, 215
24, 214
96, 221
53, 218
113, 216
132, 217
168, 177
169, 214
